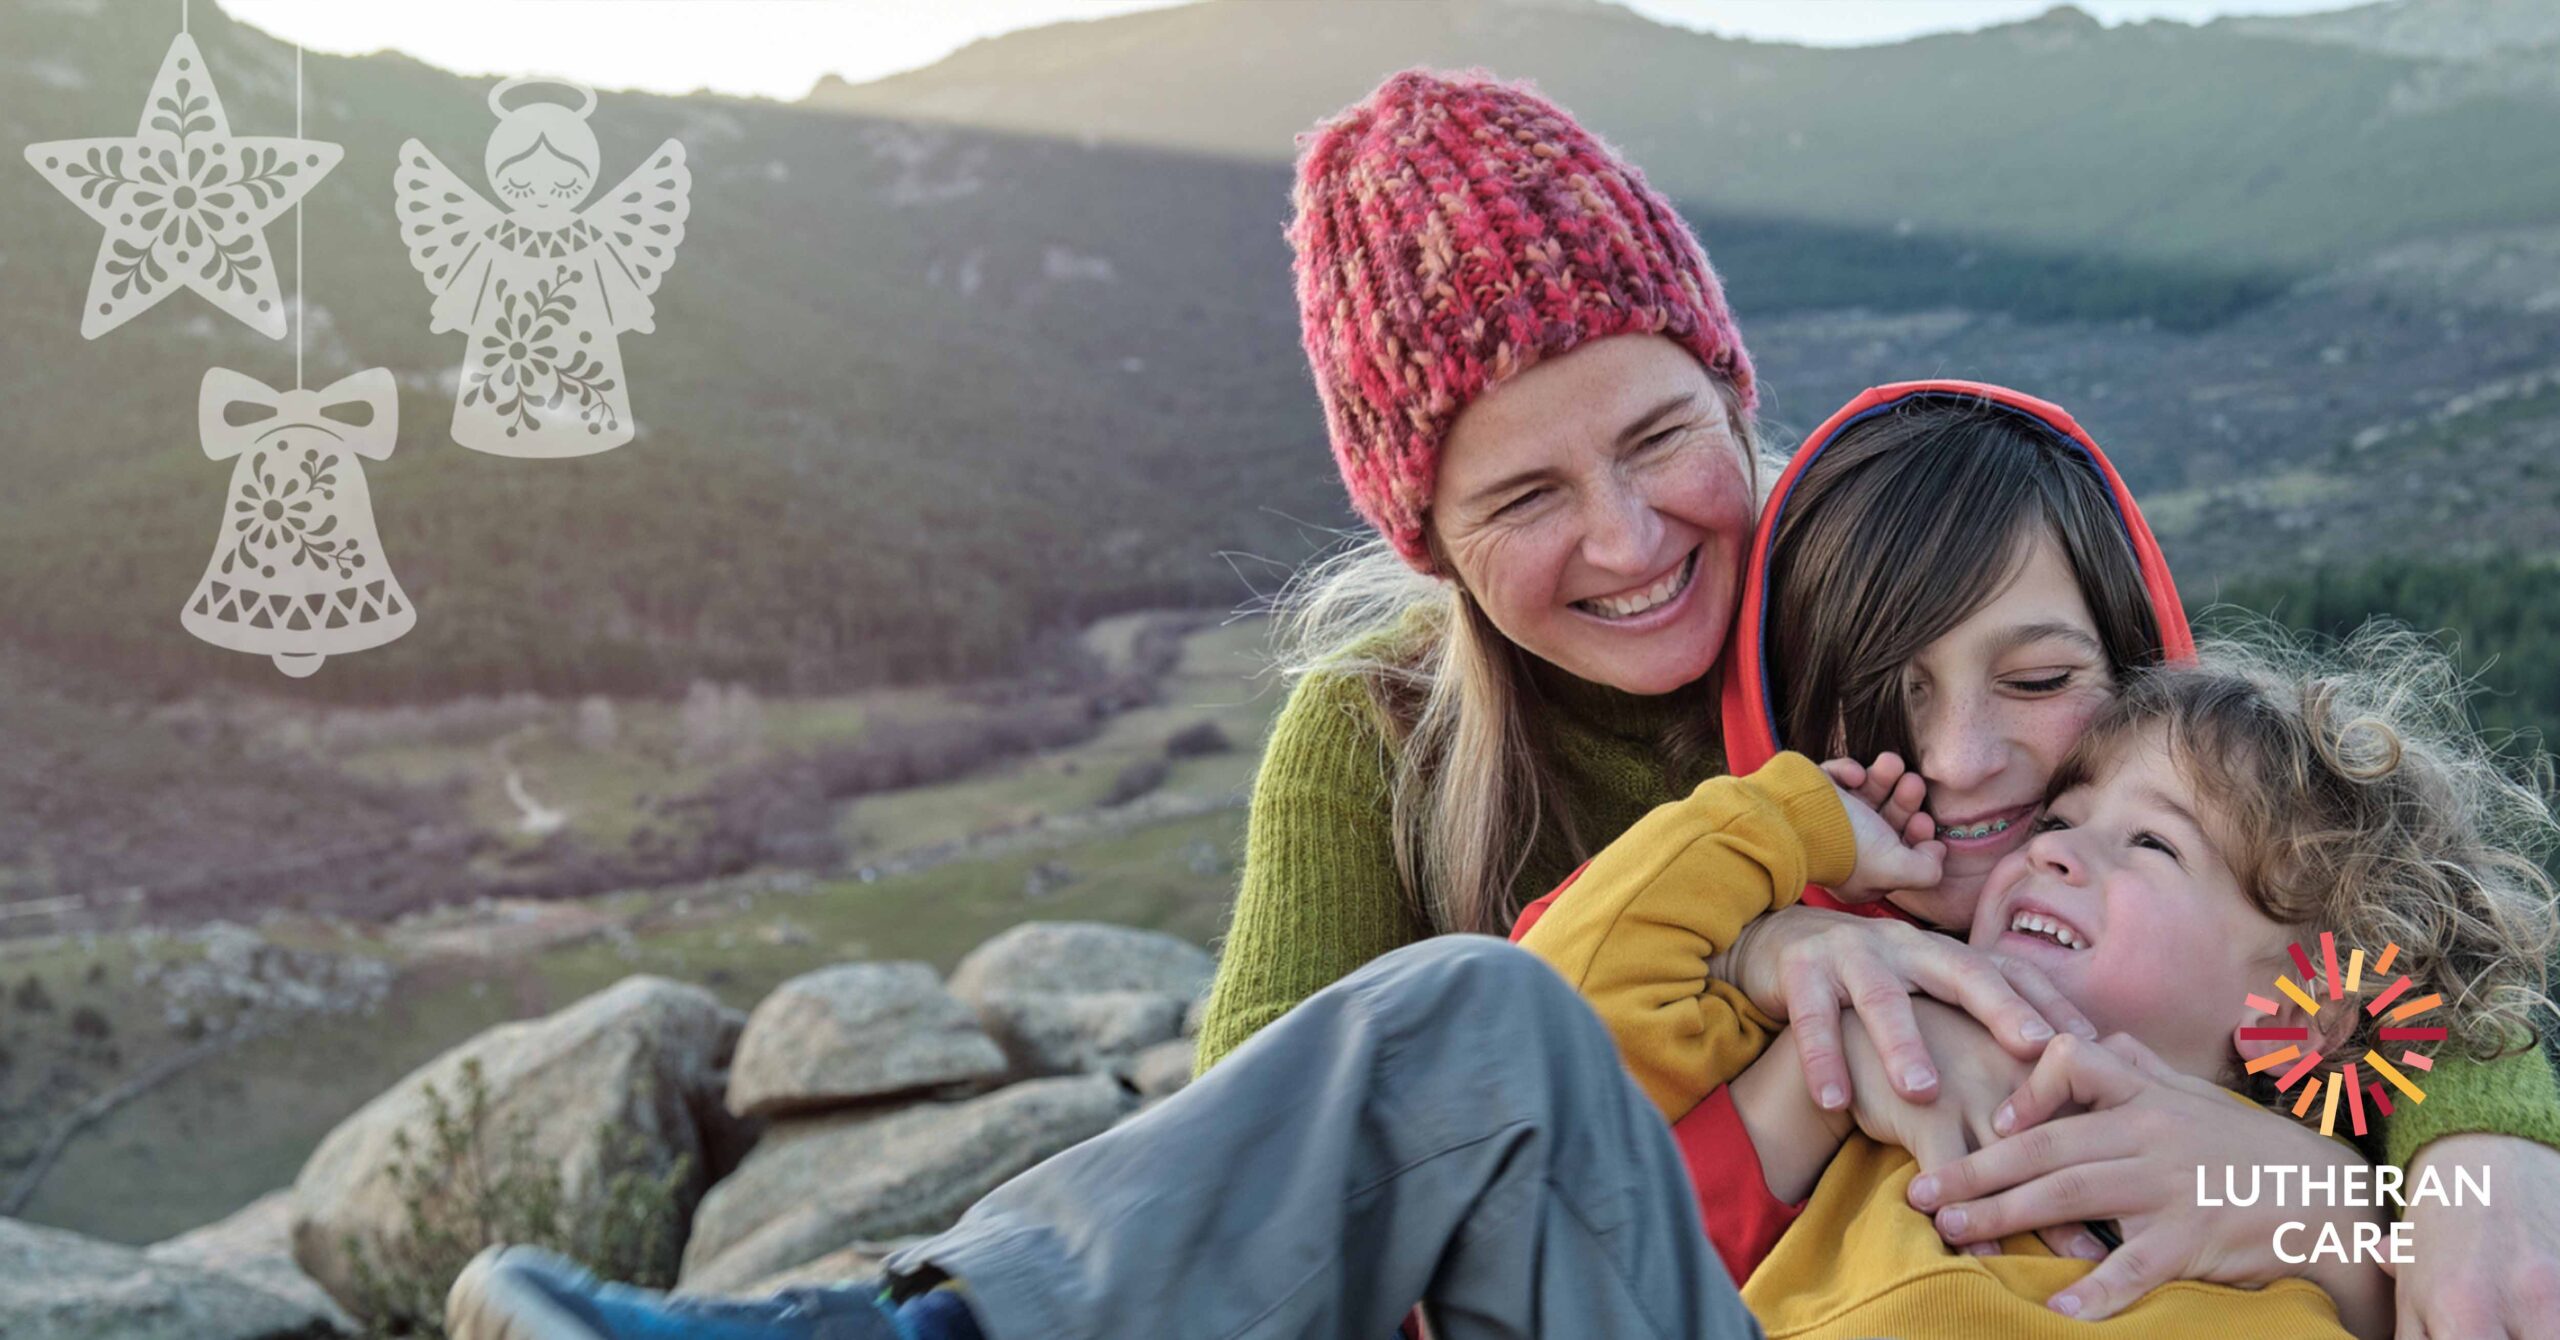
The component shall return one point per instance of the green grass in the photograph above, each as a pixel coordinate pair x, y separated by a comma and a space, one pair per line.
604, 790
1139, 878
2175, 513
1212, 682
240, 1125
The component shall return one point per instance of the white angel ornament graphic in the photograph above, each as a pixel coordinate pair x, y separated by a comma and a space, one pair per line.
543, 283
297, 573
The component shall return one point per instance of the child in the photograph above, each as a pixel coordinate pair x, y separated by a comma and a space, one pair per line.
2209, 818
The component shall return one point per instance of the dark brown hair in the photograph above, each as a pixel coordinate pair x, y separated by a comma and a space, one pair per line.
1907, 523
2348, 790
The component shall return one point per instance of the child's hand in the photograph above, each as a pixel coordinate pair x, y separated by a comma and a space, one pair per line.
1981, 1082
1897, 840
1936, 1133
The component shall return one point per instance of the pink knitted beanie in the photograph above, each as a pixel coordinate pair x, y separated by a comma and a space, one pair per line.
1452, 230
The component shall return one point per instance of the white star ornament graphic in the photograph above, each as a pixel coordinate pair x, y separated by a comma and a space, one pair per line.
184, 201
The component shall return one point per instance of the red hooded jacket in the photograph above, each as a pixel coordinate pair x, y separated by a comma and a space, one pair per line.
1742, 1218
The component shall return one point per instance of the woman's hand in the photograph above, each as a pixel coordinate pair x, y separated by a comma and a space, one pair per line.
2485, 1270
1803, 964
2106, 1131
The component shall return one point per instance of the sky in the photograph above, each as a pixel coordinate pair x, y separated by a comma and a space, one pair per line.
779, 48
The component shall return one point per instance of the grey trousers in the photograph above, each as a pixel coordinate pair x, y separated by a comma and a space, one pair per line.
1449, 1125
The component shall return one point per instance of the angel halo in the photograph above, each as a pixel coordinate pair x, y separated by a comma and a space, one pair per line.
542, 282
542, 157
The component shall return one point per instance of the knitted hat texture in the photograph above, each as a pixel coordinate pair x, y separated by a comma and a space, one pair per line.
1451, 231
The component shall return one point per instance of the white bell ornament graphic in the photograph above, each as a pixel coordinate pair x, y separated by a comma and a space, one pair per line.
297, 573
542, 283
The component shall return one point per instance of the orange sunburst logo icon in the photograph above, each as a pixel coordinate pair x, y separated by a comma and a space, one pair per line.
2351, 1086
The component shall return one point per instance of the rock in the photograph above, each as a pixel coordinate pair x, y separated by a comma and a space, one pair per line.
62, 1286
1191, 1016
644, 1060
1046, 879
854, 1264
853, 1032
1083, 956
1060, 1033
254, 1245
818, 1185
1161, 1070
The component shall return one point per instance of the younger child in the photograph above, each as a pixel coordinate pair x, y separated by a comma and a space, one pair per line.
2211, 817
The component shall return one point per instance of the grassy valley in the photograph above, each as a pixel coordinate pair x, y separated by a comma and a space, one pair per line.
332, 1008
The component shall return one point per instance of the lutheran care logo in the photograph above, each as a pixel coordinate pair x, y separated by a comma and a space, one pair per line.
2324, 1188
2359, 1080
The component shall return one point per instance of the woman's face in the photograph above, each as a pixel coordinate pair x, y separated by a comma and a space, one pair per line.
1994, 705
1597, 507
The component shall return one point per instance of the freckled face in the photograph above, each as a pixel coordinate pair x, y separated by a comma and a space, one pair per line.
1994, 705
2125, 900
1597, 506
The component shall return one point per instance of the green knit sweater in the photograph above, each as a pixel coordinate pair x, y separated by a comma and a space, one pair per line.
1320, 894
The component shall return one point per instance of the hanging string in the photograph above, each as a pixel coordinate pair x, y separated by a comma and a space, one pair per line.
301, 285
182, 15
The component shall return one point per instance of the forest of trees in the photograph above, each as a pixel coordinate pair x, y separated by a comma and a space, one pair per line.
2500, 617
1776, 265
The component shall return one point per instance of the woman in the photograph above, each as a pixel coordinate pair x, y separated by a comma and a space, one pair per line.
1516, 673
1467, 742
1954, 572
1453, 744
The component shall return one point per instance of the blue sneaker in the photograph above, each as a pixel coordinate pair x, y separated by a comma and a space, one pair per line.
526, 1293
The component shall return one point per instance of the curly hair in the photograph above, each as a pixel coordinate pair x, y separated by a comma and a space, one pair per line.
2352, 792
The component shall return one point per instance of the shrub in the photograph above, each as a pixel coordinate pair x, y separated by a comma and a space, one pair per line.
88, 1023
32, 997
1198, 739
1136, 780
472, 1186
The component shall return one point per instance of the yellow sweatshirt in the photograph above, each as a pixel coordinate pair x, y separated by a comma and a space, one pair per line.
1655, 905
1862, 1262
1635, 938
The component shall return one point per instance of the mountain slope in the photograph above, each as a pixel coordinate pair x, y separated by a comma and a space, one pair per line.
913, 396
917, 392
920, 391
2449, 30
2154, 139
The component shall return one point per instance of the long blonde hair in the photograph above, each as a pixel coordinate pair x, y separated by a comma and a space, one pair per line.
1472, 781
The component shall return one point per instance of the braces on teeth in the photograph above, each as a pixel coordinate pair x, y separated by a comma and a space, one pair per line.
1984, 829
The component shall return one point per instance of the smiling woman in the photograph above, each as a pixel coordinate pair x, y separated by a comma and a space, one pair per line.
1585, 505
1536, 394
